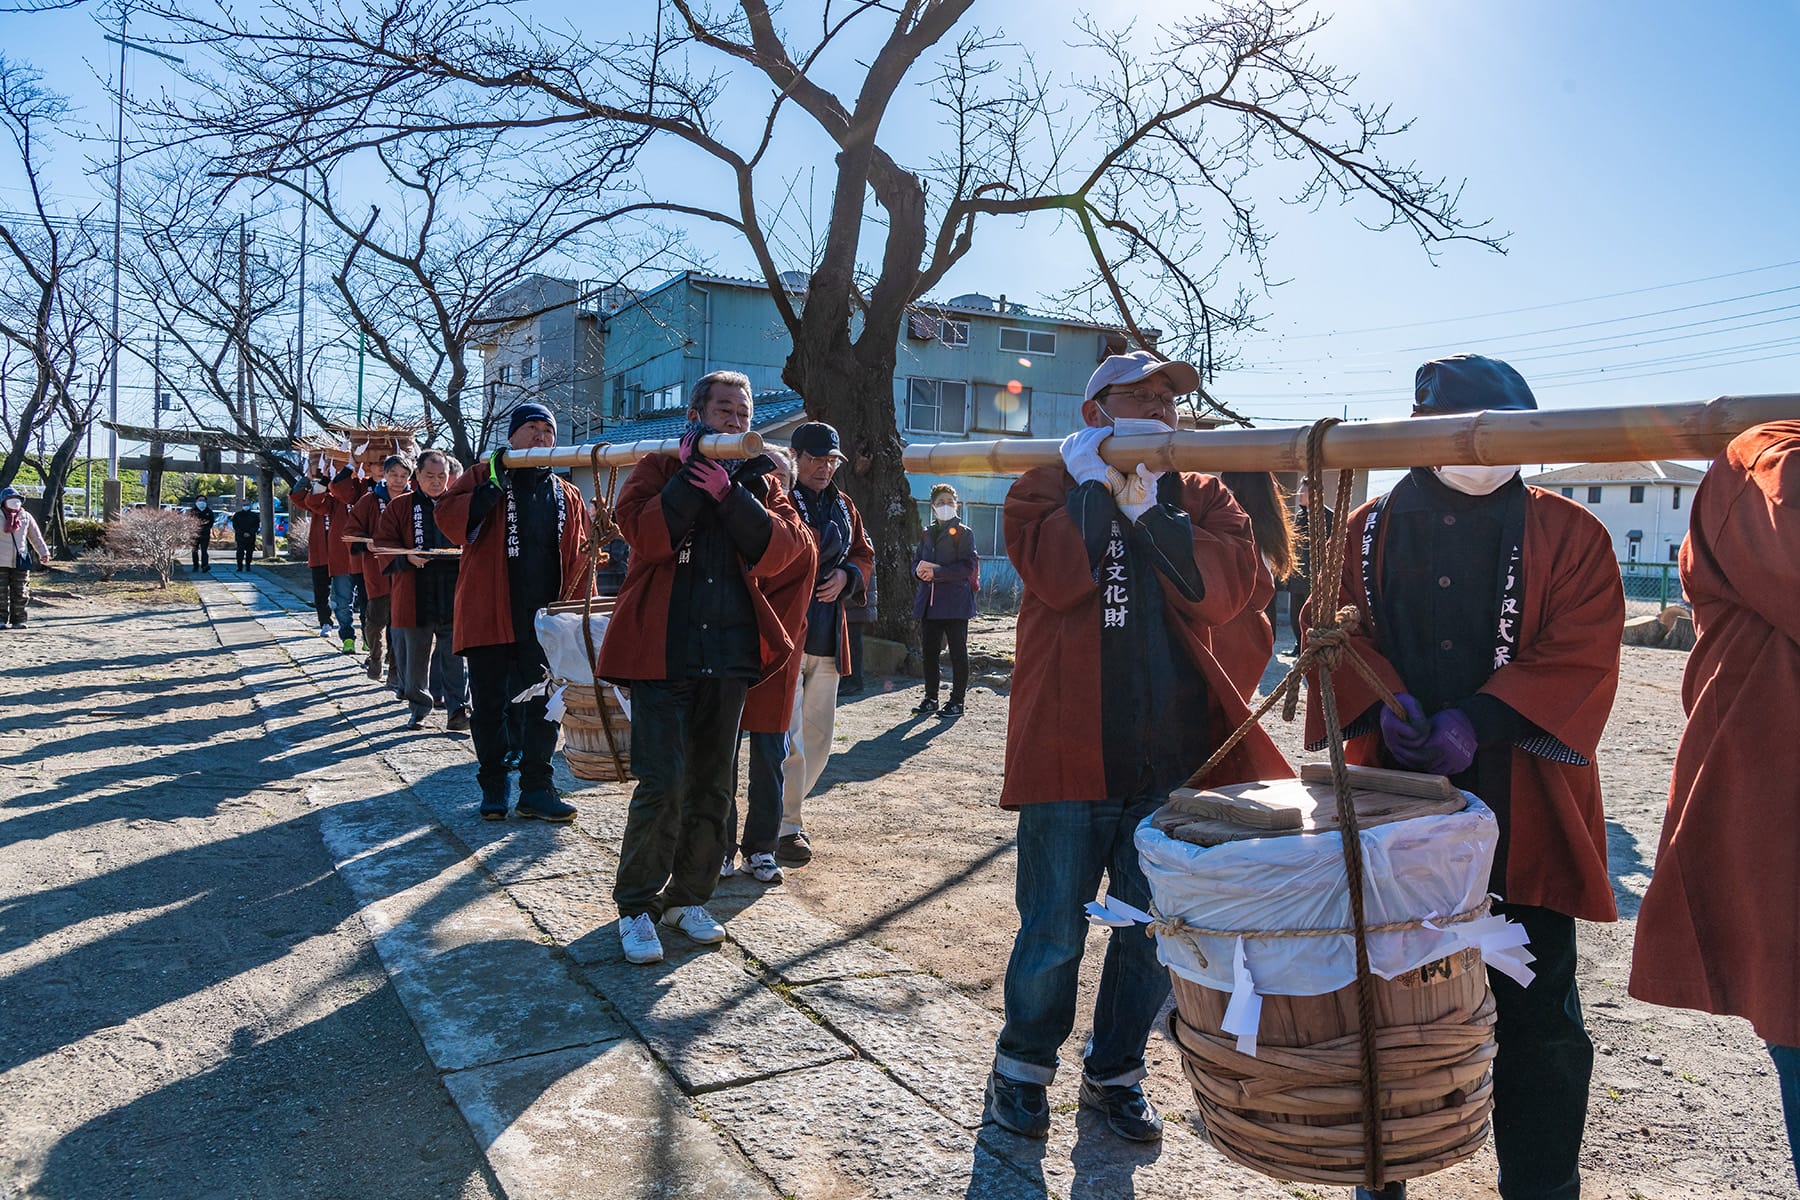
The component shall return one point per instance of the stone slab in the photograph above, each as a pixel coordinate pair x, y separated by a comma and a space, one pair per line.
597, 1124
476, 979
802, 948
383, 849
577, 911
929, 1036
847, 1131
712, 1024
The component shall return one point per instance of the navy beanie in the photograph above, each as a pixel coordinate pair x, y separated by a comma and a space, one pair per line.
529, 412
1467, 383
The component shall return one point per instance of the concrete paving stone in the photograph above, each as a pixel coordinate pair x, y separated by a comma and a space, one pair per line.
577, 911
603, 808
847, 1131
383, 849
710, 1022
929, 1036
477, 981
597, 1124
800, 947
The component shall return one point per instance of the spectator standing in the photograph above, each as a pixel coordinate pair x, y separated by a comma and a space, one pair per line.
846, 560
202, 512
362, 522
422, 598
23, 544
691, 631
1719, 930
246, 523
524, 534
949, 573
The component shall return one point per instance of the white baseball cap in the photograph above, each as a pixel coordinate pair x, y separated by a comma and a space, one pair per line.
1140, 365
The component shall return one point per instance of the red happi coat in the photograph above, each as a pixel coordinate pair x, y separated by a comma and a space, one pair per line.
1562, 680
396, 532
363, 521
1719, 929
332, 508
770, 705
1244, 644
1053, 747
637, 640
318, 537
483, 603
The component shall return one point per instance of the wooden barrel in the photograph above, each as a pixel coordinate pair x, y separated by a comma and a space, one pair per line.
1294, 1111
584, 735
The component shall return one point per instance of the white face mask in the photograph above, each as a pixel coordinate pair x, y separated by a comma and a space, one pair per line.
1475, 480
944, 512
14, 505
1134, 426
199, 504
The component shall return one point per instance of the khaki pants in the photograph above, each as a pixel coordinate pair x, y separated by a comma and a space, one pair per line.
809, 735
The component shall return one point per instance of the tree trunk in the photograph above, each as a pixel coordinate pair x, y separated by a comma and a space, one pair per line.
857, 398
56, 482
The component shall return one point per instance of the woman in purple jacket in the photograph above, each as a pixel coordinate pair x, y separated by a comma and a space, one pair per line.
949, 573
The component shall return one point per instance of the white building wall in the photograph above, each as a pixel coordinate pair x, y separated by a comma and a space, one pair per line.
1664, 525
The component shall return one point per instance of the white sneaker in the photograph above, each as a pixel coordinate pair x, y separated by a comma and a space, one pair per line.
328, 631
764, 868
730, 867
696, 922
638, 936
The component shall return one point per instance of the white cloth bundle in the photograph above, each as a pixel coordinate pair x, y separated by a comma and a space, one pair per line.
565, 650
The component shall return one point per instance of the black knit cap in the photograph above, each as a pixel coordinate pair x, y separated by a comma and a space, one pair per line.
1466, 383
529, 412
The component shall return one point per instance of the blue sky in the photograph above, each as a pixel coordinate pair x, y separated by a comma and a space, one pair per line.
1642, 157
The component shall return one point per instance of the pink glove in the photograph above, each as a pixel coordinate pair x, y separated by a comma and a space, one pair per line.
690, 443
1452, 745
709, 477
1406, 738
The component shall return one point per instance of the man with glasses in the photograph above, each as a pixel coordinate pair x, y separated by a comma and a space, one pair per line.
1116, 699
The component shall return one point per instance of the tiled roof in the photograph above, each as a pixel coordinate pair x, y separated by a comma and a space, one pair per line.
772, 408
1619, 472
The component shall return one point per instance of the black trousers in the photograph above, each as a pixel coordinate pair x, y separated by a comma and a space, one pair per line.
203, 552
321, 576
683, 749
957, 633
493, 670
1543, 1063
246, 552
17, 596
762, 818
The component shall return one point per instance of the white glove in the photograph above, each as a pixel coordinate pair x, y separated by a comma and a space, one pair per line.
1081, 453
1137, 493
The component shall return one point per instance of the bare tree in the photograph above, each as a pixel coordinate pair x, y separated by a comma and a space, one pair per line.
1152, 165
48, 289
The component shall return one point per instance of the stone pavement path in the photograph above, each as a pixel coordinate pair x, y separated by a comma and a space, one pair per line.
794, 1061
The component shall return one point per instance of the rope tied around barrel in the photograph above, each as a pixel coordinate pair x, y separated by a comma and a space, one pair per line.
1328, 647
603, 529
1177, 927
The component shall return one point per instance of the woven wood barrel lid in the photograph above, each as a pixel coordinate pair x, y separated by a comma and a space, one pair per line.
1280, 807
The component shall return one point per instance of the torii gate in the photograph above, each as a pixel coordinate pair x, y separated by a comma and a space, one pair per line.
212, 445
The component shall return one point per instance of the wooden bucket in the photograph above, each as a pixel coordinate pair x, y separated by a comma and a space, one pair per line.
584, 735
1294, 1111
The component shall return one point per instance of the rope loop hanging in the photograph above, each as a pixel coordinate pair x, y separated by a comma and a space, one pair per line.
602, 531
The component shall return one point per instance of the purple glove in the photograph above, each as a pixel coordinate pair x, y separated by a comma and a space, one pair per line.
709, 477
690, 443
1406, 738
1451, 746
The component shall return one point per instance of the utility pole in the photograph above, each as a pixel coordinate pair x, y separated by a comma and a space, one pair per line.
153, 477
362, 345
243, 342
300, 333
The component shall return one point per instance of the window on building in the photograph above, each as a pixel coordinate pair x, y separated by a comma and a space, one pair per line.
953, 333
937, 406
506, 373
1675, 501
528, 367
1593, 495
983, 521
1675, 551
1002, 408
1637, 493
1569, 493
663, 399
1028, 341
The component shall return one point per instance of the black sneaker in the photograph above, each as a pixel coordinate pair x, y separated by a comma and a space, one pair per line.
1017, 1107
493, 805
1391, 1191
952, 709
545, 806
1128, 1111
794, 850
926, 706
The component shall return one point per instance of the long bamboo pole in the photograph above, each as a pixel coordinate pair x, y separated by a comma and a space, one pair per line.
1630, 434
624, 454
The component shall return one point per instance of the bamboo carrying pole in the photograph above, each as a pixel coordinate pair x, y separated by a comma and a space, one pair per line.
1640, 432
624, 454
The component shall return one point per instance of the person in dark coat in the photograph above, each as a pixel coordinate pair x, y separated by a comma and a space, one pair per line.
523, 531
246, 523
203, 515
949, 572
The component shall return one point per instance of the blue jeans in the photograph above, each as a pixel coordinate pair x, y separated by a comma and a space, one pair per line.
1065, 848
343, 603
1787, 1070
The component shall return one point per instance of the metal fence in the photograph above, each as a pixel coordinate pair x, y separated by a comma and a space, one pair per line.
1655, 583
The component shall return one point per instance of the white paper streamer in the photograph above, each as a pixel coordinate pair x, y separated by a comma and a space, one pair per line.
1243, 1015
1113, 913
1502, 944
